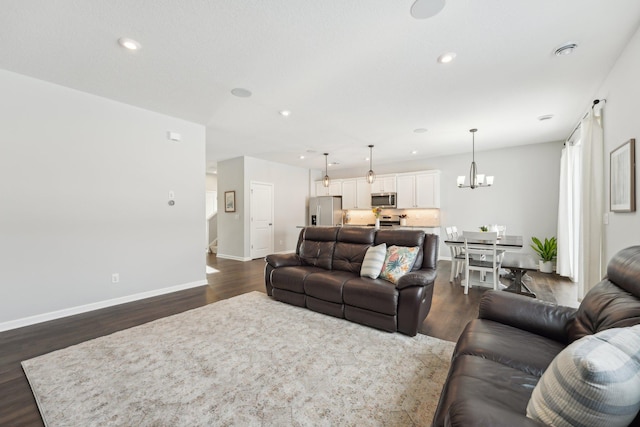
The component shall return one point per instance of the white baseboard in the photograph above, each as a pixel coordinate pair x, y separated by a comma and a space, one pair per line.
233, 257
237, 258
45, 317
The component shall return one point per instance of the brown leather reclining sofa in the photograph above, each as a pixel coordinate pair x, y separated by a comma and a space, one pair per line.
324, 276
500, 356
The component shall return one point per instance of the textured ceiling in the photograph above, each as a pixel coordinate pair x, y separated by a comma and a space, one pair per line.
352, 72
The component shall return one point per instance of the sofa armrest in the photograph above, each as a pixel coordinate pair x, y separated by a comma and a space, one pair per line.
283, 260
532, 315
421, 277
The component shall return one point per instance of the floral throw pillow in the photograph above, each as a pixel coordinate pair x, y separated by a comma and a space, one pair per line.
398, 262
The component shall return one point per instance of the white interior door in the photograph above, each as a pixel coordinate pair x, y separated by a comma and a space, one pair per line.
261, 219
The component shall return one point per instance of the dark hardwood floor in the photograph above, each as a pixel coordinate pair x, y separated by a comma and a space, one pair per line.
450, 312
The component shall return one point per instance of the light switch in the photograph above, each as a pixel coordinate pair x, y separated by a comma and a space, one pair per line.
605, 219
174, 136
172, 195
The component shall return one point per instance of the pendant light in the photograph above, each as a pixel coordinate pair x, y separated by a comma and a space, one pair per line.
475, 179
371, 176
326, 180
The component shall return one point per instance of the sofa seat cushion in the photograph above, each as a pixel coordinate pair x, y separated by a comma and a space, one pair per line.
497, 387
508, 345
292, 278
372, 294
327, 285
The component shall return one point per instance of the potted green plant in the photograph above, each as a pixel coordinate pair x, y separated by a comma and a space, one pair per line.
547, 252
484, 228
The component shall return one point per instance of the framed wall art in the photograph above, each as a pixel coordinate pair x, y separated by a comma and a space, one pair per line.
622, 178
229, 201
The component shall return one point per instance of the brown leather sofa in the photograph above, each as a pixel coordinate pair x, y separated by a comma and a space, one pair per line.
324, 276
500, 356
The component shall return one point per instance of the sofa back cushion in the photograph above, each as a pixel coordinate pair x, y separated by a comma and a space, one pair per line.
351, 247
317, 246
615, 301
408, 238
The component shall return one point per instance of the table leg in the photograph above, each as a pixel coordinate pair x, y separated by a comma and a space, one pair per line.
517, 285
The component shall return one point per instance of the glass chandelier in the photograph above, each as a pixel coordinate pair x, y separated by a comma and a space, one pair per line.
326, 180
475, 179
371, 176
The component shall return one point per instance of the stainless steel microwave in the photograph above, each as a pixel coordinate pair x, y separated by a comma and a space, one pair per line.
383, 200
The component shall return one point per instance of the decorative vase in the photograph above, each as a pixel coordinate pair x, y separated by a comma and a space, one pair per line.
403, 221
545, 266
377, 223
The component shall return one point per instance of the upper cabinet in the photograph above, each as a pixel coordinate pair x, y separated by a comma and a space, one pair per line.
418, 190
356, 194
334, 188
384, 184
414, 190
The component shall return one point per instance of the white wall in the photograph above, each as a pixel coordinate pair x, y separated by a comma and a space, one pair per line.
291, 192
290, 196
621, 122
524, 196
211, 182
84, 194
231, 224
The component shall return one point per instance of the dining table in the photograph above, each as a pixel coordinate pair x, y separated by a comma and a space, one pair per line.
517, 263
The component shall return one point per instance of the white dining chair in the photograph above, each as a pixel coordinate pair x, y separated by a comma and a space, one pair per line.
457, 256
482, 257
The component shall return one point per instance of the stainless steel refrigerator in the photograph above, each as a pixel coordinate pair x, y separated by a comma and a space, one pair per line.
325, 210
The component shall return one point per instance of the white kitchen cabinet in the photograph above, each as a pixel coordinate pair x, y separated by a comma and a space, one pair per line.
406, 190
334, 189
418, 190
384, 184
428, 189
355, 194
349, 194
363, 194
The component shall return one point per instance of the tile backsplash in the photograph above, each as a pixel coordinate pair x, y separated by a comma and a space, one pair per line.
415, 217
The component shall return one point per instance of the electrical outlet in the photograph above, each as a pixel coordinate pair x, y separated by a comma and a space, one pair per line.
115, 278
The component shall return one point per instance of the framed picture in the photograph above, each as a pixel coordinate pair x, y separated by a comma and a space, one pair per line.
229, 201
622, 179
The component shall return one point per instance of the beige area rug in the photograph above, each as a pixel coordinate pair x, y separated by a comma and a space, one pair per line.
245, 361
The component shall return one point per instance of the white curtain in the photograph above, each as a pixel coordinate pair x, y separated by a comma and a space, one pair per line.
569, 209
592, 204
581, 206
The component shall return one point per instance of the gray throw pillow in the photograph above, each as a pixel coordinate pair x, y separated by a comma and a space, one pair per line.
373, 260
595, 381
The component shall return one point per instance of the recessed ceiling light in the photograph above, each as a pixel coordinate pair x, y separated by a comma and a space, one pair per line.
301, 157
545, 117
129, 43
423, 9
414, 152
566, 49
445, 58
420, 130
285, 113
241, 92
